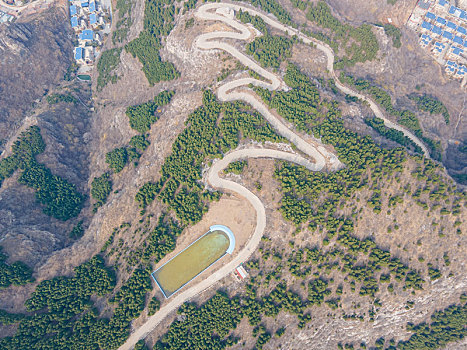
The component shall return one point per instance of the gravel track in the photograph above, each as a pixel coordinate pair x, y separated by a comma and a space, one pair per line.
208, 41
203, 12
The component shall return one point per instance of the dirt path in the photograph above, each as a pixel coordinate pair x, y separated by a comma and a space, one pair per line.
316, 151
29, 8
223, 8
245, 253
225, 12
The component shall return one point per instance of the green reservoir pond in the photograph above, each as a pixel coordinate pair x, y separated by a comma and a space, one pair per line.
190, 262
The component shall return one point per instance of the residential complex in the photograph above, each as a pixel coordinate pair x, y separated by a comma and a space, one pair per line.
88, 22
443, 33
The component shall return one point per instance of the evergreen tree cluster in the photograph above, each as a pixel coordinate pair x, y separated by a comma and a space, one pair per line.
16, 274
256, 21
270, 50
60, 198
101, 187
446, 326
394, 33
206, 137
236, 167
404, 117
431, 104
64, 317
158, 23
141, 117
106, 66
358, 43
273, 6
395, 135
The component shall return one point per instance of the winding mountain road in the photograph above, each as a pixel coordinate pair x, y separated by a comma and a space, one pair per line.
245, 253
236, 90
204, 12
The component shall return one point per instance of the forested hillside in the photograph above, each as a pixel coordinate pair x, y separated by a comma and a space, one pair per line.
63, 315
364, 251
312, 280
59, 197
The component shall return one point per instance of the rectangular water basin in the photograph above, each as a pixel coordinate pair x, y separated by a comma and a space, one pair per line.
191, 261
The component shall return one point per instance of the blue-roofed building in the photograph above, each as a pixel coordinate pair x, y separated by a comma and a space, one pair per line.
426, 25
430, 15
85, 4
441, 20
425, 40
451, 25
79, 53
72, 10
92, 6
439, 46
87, 34
437, 30
457, 51
458, 40
455, 11
447, 35
92, 19
465, 43
443, 2
463, 14
74, 22
461, 30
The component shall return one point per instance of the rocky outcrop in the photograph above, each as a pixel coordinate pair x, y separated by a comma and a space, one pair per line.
34, 55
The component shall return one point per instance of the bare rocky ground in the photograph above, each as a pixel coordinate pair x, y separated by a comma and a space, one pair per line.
371, 11
108, 128
416, 238
199, 70
34, 54
26, 233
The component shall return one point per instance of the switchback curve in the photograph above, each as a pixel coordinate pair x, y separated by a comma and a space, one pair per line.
225, 93
205, 12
